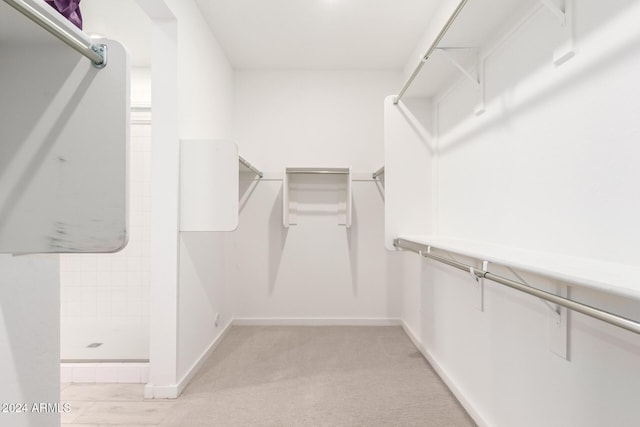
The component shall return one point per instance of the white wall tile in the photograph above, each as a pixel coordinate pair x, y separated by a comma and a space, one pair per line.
84, 374
106, 373
66, 374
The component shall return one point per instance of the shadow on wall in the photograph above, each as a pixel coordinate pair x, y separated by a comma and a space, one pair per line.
247, 184
473, 128
277, 240
380, 186
56, 76
414, 112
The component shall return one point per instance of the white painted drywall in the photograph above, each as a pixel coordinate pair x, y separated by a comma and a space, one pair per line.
556, 148
203, 296
197, 89
205, 99
409, 145
316, 269
550, 166
164, 202
29, 337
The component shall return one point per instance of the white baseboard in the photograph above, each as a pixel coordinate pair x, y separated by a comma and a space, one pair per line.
104, 372
152, 391
466, 404
314, 321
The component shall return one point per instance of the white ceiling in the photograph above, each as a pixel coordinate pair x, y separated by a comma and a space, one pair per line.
299, 34
318, 34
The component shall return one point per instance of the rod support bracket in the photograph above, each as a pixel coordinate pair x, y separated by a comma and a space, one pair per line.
102, 50
474, 276
565, 15
556, 10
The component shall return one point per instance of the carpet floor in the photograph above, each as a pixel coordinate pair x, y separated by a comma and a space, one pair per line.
317, 376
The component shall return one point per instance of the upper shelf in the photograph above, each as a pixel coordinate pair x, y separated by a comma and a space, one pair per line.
464, 38
615, 278
305, 191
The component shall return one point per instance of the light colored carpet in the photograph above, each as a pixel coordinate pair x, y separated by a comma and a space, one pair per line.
317, 376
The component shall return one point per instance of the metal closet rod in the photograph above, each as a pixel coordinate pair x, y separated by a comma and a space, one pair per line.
432, 48
96, 53
378, 172
250, 166
317, 171
605, 316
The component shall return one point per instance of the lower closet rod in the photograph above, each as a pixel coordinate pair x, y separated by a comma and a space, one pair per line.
605, 316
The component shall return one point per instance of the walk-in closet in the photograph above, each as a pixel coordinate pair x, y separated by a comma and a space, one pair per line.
319, 213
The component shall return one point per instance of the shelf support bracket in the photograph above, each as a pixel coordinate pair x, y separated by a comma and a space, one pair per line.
555, 9
447, 52
476, 76
558, 321
480, 288
565, 50
559, 326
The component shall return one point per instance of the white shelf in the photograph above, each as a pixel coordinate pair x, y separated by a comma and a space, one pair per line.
209, 176
614, 278
310, 191
468, 31
65, 140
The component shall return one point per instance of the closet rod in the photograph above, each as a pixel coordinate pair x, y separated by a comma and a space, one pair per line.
250, 166
378, 173
432, 48
588, 310
317, 171
96, 53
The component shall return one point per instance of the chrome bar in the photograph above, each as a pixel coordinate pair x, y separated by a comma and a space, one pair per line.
95, 53
250, 166
605, 316
317, 171
378, 173
432, 48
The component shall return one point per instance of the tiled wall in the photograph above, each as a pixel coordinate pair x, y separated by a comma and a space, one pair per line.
130, 373
111, 291
105, 297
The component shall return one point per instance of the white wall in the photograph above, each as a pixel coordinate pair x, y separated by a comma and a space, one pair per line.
564, 137
205, 98
188, 288
550, 166
29, 343
316, 269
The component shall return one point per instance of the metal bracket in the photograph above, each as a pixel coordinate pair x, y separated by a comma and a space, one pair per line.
447, 52
555, 310
566, 50
102, 50
474, 276
476, 76
559, 328
558, 323
480, 288
555, 9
